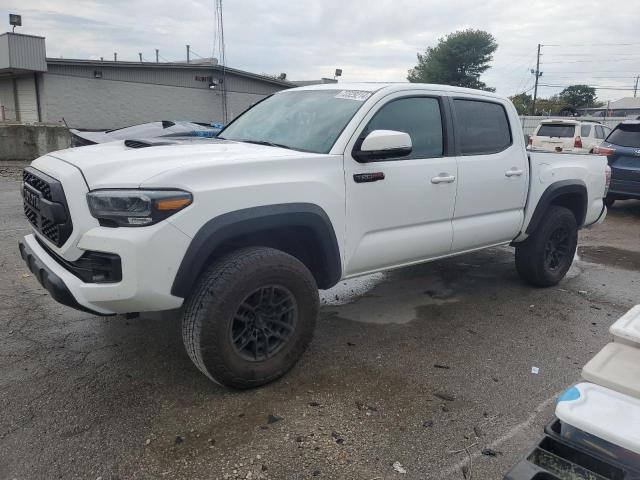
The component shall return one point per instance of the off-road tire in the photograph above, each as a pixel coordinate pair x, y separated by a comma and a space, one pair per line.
210, 311
532, 259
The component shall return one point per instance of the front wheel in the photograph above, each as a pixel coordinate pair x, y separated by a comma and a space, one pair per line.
250, 317
546, 256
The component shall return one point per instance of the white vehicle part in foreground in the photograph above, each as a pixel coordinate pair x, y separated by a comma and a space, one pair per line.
609, 415
627, 328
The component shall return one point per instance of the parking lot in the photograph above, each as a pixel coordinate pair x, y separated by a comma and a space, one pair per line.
428, 366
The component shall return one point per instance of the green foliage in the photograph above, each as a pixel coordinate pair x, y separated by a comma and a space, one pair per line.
458, 59
579, 95
522, 102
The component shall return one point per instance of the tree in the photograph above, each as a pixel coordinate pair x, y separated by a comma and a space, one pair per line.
578, 95
522, 102
458, 59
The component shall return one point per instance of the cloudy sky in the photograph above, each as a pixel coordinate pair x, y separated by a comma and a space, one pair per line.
585, 41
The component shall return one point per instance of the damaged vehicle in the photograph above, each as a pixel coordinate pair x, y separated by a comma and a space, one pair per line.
309, 186
164, 128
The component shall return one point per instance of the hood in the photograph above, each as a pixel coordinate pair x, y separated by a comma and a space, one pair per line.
116, 165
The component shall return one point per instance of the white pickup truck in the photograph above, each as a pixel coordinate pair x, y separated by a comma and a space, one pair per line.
310, 186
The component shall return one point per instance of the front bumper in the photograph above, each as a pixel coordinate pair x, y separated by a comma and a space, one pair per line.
49, 279
149, 259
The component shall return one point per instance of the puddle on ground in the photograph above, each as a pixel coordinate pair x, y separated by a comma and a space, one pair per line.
394, 301
614, 257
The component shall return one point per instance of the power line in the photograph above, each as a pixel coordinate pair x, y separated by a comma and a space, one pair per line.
596, 61
592, 45
598, 71
194, 53
597, 87
608, 54
607, 77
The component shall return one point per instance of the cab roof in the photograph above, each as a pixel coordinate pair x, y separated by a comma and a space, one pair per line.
390, 87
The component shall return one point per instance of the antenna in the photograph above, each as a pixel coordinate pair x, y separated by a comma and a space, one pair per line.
219, 39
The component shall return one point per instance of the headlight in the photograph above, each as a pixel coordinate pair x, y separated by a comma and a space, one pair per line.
135, 208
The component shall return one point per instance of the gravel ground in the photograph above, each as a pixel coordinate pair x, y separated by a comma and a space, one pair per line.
424, 366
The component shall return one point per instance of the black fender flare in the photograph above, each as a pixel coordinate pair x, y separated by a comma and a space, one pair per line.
246, 221
552, 192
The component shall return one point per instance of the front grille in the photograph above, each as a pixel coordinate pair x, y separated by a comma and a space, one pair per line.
39, 184
31, 214
50, 230
45, 206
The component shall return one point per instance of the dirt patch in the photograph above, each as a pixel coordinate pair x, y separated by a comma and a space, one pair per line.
614, 257
12, 173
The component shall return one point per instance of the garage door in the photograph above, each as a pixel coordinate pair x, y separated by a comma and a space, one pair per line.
6, 99
27, 100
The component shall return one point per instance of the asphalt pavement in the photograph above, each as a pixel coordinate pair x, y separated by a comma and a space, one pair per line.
423, 367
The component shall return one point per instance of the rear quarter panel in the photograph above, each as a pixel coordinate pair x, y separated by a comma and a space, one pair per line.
549, 168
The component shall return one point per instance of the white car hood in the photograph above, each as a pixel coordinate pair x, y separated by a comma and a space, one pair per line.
114, 165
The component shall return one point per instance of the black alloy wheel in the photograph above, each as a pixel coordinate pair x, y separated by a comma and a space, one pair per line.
264, 322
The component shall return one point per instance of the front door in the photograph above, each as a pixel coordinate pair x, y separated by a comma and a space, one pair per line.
399, 210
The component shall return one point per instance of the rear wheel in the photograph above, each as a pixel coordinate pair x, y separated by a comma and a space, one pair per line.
546, 256
250, 317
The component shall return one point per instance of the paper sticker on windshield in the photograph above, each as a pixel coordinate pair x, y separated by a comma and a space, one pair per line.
357, 95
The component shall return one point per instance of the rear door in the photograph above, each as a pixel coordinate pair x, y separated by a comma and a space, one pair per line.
399, 210
555, 136
493, 174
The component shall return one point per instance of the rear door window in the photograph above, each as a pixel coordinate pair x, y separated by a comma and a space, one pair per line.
625, 135
560, 130
482, 127
585, 131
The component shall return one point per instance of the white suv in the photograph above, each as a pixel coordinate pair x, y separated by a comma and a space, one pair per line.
568, 136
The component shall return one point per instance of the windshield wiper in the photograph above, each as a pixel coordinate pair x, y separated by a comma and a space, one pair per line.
269, 144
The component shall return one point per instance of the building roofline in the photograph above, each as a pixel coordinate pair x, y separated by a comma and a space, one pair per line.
20, 35
194, 66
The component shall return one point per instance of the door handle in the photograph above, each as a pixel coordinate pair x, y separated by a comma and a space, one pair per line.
368, 177
443, 178
514, 172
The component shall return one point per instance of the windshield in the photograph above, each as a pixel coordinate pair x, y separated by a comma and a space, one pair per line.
556, 130
307, 120
625, 135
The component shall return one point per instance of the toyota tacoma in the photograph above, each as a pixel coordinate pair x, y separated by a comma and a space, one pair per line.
309, 186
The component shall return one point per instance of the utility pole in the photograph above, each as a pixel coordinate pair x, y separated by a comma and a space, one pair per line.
535, 89
115, 56
188, 53
157, 56
635, 89
140, 55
